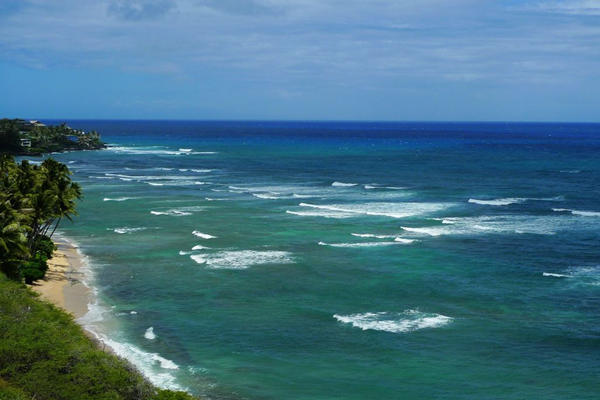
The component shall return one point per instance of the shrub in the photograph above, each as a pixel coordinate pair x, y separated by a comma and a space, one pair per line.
45, 355
8, 392
45, 246
34, 269
170, 395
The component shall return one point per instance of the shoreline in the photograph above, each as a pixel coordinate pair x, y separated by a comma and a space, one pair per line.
63, 284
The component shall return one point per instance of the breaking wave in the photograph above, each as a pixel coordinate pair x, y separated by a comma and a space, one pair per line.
371, 235
324, 214
584, 275
393, 210
155, 150
203, 235
368, 244
118, 198
149, 334
343, 184
513, 200
502, 224
127, 230
577, 212
242, 259
373, 186
406, 321
174, 213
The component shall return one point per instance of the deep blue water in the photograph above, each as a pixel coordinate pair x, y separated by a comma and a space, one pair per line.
333, 260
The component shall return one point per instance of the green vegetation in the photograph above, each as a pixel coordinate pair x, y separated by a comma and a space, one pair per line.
33, 201
18, 136
45, 355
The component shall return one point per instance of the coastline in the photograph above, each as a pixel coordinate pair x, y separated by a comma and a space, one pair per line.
64, 287
63, 284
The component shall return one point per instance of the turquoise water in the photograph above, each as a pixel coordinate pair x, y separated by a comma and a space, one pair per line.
347, 261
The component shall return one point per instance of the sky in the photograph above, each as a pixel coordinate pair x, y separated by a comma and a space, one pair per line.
398, 60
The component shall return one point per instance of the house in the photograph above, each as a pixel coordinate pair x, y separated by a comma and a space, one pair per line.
36, 123
25, 142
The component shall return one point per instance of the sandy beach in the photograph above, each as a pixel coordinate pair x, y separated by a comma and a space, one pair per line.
63, 284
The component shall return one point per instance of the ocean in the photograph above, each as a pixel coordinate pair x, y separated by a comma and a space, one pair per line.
334, 260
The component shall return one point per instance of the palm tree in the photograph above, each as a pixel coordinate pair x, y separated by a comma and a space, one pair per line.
13, 243
64, 193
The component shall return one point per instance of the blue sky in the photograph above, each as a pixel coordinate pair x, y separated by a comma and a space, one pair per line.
301, 59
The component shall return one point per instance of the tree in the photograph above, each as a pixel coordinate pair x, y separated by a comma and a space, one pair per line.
13, 242
9, 136
34, 199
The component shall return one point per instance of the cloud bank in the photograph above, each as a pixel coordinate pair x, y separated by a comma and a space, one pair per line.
300, 51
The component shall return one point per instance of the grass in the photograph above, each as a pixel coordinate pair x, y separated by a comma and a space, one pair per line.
45, 355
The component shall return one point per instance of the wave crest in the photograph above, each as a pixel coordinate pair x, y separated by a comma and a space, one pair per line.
406, 321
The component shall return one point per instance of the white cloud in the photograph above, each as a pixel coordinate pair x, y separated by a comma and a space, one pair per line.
296, 41
585, 7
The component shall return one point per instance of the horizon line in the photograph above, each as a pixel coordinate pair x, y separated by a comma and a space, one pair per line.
317, 120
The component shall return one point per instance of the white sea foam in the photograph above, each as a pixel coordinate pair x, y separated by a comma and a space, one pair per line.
156, 368
125, 230
373, 186
152, 177
581, 275
503, 224
554, 275
118, 198
174, 213
199, 258
372, 235
159, 370
513, 200
155, 150
431, 231
366, 244
343, 184
201, 170
407, 321
324, 214
498, 202
266, 196
184, 253
203, 235
274, 192
200, 247
393, 210
149, 334
242, 259
577, 212
177, 183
